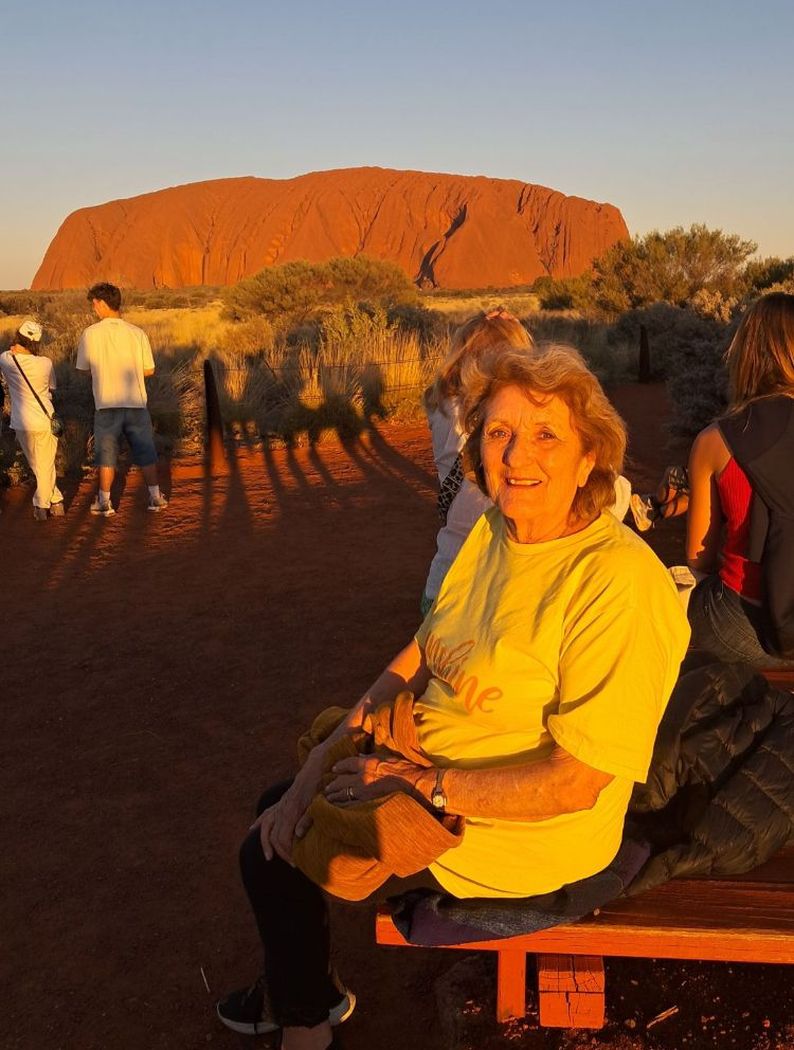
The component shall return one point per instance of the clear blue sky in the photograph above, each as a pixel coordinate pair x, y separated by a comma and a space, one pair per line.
676, 112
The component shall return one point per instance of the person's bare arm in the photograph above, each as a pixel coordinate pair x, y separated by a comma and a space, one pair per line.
532, 791
708, 458
557, 784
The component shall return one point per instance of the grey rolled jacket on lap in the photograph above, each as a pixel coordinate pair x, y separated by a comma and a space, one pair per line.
719, 800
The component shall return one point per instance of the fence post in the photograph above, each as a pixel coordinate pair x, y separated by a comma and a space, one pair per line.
644, 365
214, 442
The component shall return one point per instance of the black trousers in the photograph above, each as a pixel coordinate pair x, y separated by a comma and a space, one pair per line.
291, 914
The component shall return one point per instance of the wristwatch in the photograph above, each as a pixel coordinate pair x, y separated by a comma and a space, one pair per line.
438, 800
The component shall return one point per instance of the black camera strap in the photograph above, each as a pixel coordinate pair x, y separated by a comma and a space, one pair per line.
22, 373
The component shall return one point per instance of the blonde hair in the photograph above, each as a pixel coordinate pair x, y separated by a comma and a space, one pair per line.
760, 358
551, 370
498, 327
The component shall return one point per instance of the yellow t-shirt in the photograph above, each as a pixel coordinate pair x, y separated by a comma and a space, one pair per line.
576, 641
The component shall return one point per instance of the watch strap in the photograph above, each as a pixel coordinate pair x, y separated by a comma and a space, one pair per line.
438, 798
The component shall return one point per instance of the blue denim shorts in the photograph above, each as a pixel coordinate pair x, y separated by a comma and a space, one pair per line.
135, 424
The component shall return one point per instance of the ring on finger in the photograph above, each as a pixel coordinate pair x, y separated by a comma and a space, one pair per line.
350, 795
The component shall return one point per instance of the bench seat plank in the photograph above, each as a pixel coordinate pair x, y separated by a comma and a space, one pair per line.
749, 918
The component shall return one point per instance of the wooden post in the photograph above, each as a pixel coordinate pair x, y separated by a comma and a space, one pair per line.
214, 418
511, 984
571, 991
644, 364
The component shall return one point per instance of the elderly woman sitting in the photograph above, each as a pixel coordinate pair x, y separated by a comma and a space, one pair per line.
539, 680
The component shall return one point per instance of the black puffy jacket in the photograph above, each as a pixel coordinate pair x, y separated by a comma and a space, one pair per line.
719, 799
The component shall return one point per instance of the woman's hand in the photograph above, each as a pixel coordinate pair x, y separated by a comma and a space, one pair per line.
288, 819
365, 777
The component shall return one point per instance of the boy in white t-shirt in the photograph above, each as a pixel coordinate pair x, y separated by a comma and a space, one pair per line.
119, 357
30, 380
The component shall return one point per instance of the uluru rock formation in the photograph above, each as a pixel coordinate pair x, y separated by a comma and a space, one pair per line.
447, 231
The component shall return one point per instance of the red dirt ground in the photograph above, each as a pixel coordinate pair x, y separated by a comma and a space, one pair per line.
156, 672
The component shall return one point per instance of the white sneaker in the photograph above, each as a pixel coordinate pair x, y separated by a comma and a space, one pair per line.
643, 512
157, 502
105, 509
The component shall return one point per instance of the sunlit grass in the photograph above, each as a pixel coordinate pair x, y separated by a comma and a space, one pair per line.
458, 308
9, 325
357, 366
171, 331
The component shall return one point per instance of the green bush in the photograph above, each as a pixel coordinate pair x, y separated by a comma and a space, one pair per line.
670, 267
295, 292
564, 293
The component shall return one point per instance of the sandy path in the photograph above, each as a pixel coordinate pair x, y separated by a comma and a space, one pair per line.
156, 672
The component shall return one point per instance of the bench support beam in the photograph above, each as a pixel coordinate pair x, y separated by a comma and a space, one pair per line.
571, 991
511, 984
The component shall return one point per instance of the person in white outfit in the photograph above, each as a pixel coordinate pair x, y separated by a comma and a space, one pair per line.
460, 501
30, 380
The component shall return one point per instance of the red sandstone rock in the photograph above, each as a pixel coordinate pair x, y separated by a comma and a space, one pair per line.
448, 231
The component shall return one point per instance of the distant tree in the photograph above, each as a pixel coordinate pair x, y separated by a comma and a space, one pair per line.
295, 291
761, 274
670, 267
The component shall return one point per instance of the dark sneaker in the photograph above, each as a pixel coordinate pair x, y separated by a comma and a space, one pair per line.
39, 513
157, 503
643, 511
246, 1011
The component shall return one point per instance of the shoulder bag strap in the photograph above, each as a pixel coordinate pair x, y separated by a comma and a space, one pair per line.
22, 373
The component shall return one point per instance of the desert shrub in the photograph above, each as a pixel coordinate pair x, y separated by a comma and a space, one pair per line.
293, 290
293, 293
670, 267
565, 293
763, 275
714, 304
251, 337
21, 303
492, 292
686, 350
408, 317
171, 298
368, 280
176, 403
612, 361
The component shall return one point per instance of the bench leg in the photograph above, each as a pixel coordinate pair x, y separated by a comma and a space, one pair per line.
511, 984
571, 991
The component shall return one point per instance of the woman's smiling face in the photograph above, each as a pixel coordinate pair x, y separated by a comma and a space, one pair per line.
533, 463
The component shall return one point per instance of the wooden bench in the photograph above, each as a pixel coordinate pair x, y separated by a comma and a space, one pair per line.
747, 918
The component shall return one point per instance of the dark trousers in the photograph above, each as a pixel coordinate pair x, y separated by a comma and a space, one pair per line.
292, 917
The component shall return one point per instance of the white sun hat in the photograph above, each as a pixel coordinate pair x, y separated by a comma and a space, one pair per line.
31, 329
